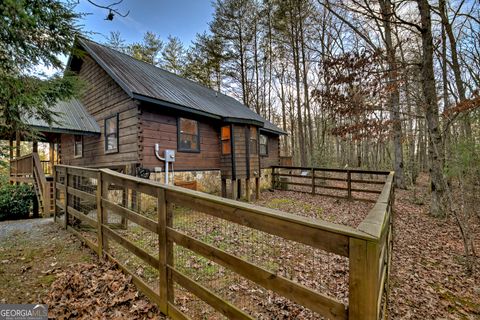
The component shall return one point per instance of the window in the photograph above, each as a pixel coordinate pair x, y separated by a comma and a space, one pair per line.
111, 134
253, 140
78, 146
226, 140
188, 135
263, 145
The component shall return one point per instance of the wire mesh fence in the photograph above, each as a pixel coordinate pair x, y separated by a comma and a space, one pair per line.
221, 258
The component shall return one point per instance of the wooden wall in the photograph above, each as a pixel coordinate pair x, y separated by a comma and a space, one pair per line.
241, 136
104, 98
156, 127
273, 157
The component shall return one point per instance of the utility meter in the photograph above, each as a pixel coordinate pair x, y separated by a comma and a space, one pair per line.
170, 155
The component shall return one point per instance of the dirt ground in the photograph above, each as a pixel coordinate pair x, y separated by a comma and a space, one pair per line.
42, 263
32, 252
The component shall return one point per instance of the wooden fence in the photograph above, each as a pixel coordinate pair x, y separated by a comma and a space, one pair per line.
343, 183
368, 248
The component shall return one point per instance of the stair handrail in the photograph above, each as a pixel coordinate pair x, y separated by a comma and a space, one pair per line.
39, 175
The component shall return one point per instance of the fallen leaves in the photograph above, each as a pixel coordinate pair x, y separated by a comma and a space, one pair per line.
94, 291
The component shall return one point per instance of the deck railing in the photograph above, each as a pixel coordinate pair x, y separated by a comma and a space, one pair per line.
30, 169
367, 248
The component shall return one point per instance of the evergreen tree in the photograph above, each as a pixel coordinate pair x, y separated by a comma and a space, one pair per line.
173, 55
34, 33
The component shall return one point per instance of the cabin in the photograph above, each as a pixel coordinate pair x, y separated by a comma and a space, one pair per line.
142, 120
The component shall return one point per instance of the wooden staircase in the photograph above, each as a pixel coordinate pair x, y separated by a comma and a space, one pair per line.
29, 169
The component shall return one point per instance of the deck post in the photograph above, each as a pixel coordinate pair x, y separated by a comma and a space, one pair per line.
51, 154
363, 281
273, 177
17, 144
239, 189
247, 189
349, 184
257, 188
313, 180
224, 188
54, 173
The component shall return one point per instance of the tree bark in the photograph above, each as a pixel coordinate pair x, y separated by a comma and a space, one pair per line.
394, 96
438, 203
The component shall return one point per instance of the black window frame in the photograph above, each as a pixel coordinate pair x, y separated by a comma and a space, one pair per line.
117, 134
260, 145
179, 134
75, 155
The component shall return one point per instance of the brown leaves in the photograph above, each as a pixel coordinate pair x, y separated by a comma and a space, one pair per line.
87, 291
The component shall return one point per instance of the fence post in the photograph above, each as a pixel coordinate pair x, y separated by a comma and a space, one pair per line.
165, 248
54, 171
349, 184
66, 197
99, 214
363, 279
313, 180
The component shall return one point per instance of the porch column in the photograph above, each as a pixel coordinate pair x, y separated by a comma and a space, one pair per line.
257, 188
51, 155
239, 189
17, 143
10, 145
35, 147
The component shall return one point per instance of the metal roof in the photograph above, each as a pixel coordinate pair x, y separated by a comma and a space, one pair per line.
146, 82
72, 117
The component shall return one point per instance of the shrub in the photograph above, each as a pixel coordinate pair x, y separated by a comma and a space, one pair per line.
15, 201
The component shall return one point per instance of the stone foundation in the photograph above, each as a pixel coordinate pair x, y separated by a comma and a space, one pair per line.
207, 181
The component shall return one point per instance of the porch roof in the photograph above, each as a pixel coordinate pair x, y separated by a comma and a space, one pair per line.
70, 117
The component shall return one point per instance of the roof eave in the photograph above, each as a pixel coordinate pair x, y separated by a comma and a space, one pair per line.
143, 98
67, 131
277, 132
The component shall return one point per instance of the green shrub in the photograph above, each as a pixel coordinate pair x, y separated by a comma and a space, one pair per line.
15, 201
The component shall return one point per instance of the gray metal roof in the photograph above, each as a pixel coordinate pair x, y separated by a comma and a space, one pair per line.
144, 81
72, 117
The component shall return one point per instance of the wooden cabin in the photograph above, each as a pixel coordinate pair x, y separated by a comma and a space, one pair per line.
130, 106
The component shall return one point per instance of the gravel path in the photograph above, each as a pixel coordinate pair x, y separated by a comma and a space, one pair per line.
33, 225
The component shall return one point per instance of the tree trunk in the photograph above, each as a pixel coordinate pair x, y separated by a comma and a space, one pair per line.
438, 203
394, 96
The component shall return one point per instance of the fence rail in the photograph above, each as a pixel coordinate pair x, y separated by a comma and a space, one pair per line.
87, 199
317, 180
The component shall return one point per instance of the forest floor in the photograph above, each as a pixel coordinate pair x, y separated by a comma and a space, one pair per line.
42, 263
428, 279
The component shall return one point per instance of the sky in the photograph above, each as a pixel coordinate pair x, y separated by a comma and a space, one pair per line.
181, 18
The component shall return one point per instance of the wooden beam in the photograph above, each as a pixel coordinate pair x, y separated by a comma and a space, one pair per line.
125, 213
